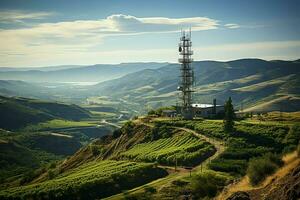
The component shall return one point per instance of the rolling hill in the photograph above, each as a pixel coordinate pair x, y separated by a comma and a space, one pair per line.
254, 84
19, 112
251, 81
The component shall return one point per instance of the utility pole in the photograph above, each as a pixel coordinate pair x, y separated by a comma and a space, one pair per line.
175, 163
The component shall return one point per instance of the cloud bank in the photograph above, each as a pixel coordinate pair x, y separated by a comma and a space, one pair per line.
81, 35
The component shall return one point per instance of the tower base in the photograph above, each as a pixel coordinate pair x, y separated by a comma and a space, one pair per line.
187, 113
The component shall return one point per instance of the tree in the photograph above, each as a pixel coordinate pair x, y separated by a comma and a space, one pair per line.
229, 116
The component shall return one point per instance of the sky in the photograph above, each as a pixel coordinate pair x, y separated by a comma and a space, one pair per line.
35, 33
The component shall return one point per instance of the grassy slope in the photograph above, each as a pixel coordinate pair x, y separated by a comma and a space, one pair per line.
251, 139
272, 186
185, 148
85, 181
108, 147
16, 113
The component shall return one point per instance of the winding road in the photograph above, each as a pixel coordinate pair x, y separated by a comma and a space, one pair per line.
180, 173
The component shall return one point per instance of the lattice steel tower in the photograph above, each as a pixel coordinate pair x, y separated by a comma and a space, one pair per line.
187, 75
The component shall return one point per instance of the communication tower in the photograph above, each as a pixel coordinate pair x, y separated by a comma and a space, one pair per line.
187, 75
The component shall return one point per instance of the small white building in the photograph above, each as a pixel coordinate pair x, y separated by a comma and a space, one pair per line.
207, 110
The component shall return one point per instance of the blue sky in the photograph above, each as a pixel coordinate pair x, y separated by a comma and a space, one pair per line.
60, 32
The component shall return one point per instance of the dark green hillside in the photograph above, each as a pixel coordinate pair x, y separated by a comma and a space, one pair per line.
26, 152
18, 160
15, 159
51, 143
92, 180
19, 112
15, 115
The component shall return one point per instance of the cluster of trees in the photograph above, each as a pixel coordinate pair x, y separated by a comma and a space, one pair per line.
159, 111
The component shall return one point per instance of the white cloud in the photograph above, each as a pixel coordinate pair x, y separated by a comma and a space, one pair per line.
9, 16
52, 55
63, 41
127, 23
232, 26
83, 34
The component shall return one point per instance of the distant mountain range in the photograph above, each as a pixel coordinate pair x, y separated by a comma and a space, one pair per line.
254, 84
73, 73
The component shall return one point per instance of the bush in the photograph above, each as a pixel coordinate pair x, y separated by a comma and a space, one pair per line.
117, 133
293, 136
51, 174
229, 165
260, 168
127, 128
207, 184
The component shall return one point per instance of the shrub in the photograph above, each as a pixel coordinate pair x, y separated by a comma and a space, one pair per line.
51, 174
261, 167
127, 128
151, 112
116, 133
292, 139
207, 184
229, 165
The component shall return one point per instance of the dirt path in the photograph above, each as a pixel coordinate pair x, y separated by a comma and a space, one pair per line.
109, 123
61, 135
181, 172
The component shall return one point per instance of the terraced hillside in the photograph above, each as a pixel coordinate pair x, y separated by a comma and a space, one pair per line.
183, 148
84, 182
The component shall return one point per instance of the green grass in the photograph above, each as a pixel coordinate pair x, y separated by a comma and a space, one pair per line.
186, 148
103, 114
102, 101
262, 85
85, 181
58, 123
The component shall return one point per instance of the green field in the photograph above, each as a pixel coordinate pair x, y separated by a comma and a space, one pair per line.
84, 182
188, 149
58, 123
